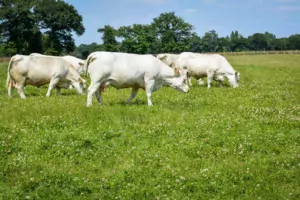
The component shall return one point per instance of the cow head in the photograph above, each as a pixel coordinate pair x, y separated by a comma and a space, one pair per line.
178, 82
80, 86
80, 67
233, 79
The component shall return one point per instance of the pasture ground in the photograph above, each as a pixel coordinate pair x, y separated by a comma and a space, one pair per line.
221, 143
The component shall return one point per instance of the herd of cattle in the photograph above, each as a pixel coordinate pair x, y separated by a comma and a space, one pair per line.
120, 70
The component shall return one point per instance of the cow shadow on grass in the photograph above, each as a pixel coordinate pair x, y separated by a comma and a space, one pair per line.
214, 83
43, 94
136, 102
69, 94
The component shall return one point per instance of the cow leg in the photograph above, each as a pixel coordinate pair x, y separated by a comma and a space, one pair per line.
58, 90
54, 81
10, 89
134, 92
221, 80
149, 89
21, 93
200, 81
210, 75
189, 79
220, 83
19, 86
91, 91
98, 95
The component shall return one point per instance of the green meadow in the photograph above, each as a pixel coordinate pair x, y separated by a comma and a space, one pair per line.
217, 143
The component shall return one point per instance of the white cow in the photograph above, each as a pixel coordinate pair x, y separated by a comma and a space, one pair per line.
123, 70
41, 70
75, 62
170, 59
212, 66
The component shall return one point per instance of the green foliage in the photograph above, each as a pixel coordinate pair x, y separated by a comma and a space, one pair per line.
137, 38
210, 41
109, 35
17, 23
169, 33
294, 42
237, 42
59, 19
260, 41
8, 49
221, 143
21, 23
224, 45
280, 44
83, 50
47, 26
172, 32
195, 43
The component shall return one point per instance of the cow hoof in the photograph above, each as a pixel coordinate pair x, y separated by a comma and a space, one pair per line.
200, 82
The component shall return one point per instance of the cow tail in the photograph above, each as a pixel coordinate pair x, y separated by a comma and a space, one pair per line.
86, 64
9, 80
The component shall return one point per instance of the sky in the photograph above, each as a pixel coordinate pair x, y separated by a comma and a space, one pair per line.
280, 17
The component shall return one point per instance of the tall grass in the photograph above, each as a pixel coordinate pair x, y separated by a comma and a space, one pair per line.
221, 143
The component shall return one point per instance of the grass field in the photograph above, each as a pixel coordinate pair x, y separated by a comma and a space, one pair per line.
221, 143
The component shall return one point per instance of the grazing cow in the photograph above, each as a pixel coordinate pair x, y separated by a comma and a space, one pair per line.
75, 62
212, 66
168, 58
39, 71
123, 70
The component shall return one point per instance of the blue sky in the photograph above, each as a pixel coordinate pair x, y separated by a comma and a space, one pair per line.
281, 17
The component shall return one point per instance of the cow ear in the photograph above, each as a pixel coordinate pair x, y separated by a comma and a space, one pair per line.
83, 81
163, 57
176, 71
237, 73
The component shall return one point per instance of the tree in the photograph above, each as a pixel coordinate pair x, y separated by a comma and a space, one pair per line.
25, 24
237, 42
210, 41
172, 32
261, 41
294, 42
280, 44
223, 44
18, 26
58, 19
83, 50
258, 42
137, 38
195, 43
109, 35
270, 37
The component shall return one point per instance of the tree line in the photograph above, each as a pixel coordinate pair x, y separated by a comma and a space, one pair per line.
46, 26
169, 33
